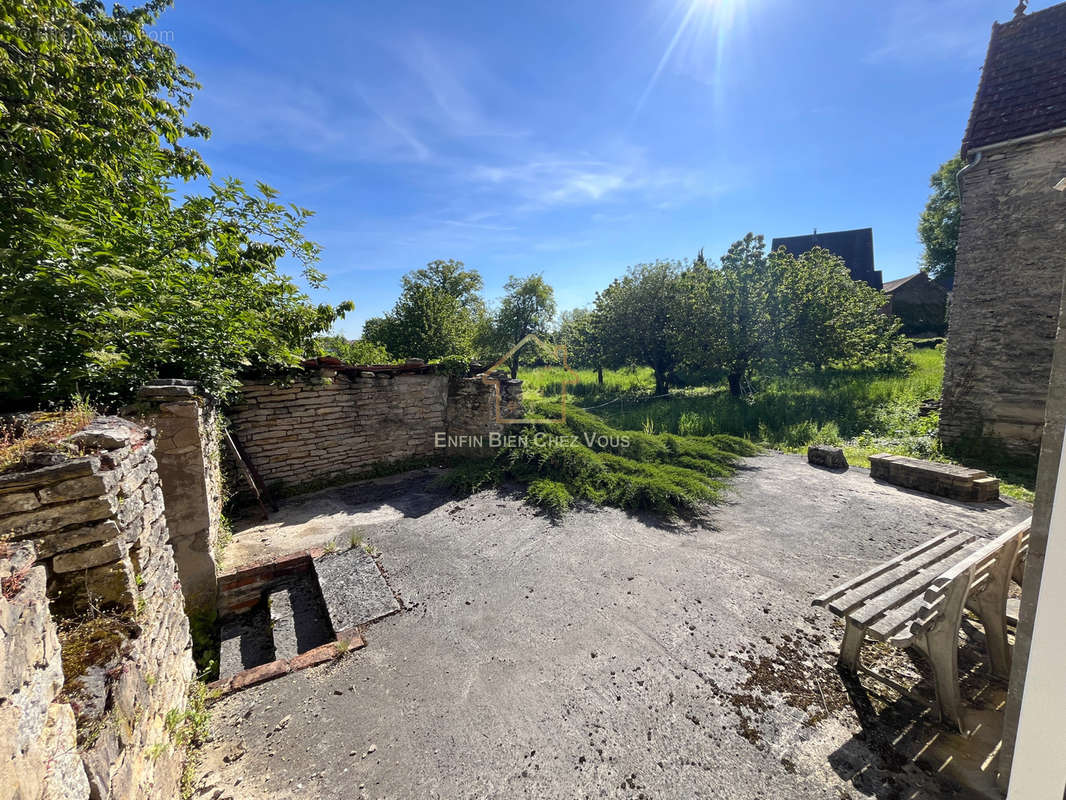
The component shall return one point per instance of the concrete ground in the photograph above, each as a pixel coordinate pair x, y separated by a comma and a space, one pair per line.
608, 655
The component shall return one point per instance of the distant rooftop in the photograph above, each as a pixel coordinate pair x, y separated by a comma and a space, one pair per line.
1023, 83
855, 247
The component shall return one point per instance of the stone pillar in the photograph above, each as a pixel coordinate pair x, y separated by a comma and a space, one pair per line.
187, 452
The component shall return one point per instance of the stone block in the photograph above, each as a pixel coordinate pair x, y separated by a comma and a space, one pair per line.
78, 488
824, 455
93, 557
108, 433
51, 518
68, 468
18, 501
49, 544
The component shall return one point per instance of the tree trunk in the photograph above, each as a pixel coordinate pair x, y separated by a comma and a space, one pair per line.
661, 384
514, 366
734, 383
599, 375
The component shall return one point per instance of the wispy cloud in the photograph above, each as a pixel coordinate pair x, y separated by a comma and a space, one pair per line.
552, 182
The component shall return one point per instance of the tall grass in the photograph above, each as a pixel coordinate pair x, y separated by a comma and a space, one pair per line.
586, 389
865, 412
795, 410
790, 409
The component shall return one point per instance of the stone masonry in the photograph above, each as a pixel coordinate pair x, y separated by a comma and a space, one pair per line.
1009, 280
945, 480
187, 453
38, 742
330, 425
87, 521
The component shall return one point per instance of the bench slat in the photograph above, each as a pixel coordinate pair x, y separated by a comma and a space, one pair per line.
916, 614
945, 547
899, 605
824, 600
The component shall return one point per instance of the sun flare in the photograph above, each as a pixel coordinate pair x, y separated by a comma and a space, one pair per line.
703, 25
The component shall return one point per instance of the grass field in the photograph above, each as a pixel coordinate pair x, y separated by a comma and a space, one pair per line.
864, 412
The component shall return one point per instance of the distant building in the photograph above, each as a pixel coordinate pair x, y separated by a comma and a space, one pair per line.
920, 303
1012, 240
855, 247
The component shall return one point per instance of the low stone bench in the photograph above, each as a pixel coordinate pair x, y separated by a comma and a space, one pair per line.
945, 480
917, 599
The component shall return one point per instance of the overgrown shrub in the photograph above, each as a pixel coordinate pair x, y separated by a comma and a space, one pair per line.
586, 459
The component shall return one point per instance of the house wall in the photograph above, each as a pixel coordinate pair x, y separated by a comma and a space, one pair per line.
328, 426
922, 307
1004, 308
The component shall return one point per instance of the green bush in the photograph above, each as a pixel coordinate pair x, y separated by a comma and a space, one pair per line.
552, 496
584, 458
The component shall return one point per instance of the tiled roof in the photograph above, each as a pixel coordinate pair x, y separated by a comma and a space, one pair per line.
1023, 84
891, 286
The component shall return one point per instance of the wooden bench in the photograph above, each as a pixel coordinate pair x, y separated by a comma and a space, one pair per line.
917, 600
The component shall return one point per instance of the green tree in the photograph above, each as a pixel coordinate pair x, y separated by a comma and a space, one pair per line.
106, 280
438, 313
822, 317
528, 307
352, 351
737, 298
775, 312
578, 332
938, 227
639, 319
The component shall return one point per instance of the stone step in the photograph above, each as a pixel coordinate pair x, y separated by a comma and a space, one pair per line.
246, 641
353, 589
298, 618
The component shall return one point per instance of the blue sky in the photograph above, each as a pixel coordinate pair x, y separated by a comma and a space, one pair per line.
577, 138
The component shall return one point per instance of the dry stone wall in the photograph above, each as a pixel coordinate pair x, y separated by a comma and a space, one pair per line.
91, 515
38, 742
1004, 309
331, 425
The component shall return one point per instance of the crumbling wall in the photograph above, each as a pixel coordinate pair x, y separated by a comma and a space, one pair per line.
1005, 305
93, 512
330, 425
38, 743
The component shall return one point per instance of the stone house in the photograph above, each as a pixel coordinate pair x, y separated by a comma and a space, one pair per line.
1012, 239
855, 247
920, 303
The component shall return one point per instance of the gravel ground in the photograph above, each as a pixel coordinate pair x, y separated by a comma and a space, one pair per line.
608, 655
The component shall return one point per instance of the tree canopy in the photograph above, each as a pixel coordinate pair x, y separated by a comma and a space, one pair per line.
639, 320
106, 277
938, 227
527, 308
437, 314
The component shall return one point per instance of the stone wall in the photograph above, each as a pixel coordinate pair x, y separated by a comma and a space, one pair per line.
189, 467
330, 425
38, 743
92, 510
1005, 304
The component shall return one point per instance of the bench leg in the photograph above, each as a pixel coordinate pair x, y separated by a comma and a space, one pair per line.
993, 615
852, 644
941, 648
